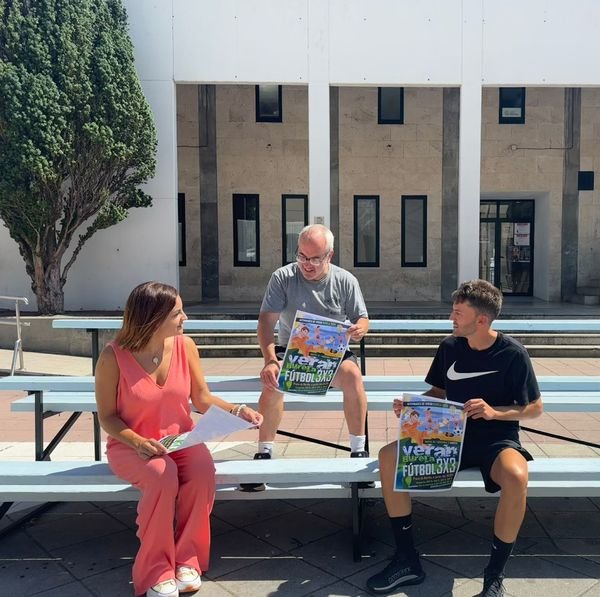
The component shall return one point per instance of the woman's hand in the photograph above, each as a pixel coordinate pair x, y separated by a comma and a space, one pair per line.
250, 415
147, 448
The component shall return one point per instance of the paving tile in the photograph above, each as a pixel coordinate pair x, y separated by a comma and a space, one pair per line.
565, 525
237, 549
116, 583
287, 575
253, 511
574, 554
26, 577
333, 554
72, 589
459, 552
67, 529
561, 504
293, 530
99, 554
340, 589
536, 577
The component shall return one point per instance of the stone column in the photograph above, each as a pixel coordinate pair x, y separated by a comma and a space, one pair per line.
209, 230
450, 153
570, 202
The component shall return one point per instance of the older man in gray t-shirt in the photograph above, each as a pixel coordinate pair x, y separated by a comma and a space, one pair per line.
315, 285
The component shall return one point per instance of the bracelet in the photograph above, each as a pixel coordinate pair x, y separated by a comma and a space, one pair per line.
272, 362
236, 410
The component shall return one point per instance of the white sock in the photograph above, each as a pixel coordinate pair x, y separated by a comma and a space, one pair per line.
357, 442
266, 448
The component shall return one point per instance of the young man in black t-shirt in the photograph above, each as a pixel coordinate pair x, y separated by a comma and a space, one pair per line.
491, 374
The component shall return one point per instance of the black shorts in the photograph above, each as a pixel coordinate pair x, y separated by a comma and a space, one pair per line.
280, 352
483, 455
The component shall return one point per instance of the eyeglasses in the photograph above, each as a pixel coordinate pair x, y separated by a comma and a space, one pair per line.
316, 261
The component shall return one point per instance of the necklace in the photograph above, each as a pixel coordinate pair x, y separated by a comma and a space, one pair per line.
156, 359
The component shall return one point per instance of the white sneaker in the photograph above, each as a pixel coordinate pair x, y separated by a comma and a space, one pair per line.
166, 588
187, 579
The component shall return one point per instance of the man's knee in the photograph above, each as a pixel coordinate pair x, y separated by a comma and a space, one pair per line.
349, 376
511, 475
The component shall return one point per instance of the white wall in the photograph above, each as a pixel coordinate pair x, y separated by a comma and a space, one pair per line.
388, 42
143, 247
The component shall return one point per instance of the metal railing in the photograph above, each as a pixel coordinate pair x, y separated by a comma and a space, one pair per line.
18, 349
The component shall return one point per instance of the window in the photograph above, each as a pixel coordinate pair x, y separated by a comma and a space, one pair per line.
268, 103
246, 242
390, 105
294, 216
181, 227
414, 231
512, 105
366, 231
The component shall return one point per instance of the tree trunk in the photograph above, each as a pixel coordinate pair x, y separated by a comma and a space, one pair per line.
48, 287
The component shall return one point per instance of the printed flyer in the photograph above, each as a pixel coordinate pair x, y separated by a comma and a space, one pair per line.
429, 443
313, 354
215, 422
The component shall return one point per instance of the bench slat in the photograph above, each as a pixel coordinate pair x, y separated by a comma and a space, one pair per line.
390, 383
559, 401
51, 481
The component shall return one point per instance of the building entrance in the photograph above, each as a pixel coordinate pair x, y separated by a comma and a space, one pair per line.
506, 245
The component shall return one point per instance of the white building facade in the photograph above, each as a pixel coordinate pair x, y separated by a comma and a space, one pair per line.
441, 140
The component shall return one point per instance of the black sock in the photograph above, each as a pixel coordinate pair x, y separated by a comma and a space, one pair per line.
500, 553
402, 529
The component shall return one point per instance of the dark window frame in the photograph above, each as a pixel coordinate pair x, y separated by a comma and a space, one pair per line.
284, 221
236, 262
381, 120
357, 199
261, 118
509, 119
403, 261
181, 227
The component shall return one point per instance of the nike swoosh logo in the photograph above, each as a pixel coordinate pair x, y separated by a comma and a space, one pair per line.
454, 375
406, 528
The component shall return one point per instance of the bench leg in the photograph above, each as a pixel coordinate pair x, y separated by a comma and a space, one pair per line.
356, 507
4, 508
45, 454
96, 437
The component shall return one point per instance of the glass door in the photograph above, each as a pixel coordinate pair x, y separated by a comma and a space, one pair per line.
487, 251
506, 245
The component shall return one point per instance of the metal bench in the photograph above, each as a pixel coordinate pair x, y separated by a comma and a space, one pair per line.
287, 478
94, 325
51, 395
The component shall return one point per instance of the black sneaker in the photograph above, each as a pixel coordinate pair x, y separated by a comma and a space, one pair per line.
401, 571
492, 585
362, 454
256, 486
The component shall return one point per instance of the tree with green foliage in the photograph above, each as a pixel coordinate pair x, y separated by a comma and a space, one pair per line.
77, 135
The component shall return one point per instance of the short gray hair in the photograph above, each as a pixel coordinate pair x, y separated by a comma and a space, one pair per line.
315, 230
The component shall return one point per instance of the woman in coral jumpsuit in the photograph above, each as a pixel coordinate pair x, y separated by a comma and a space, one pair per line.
144, 382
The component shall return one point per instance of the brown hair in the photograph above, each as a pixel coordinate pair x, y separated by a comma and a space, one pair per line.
481, 295
147, 307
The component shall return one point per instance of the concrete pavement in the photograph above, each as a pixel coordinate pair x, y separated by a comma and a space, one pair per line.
303, 547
